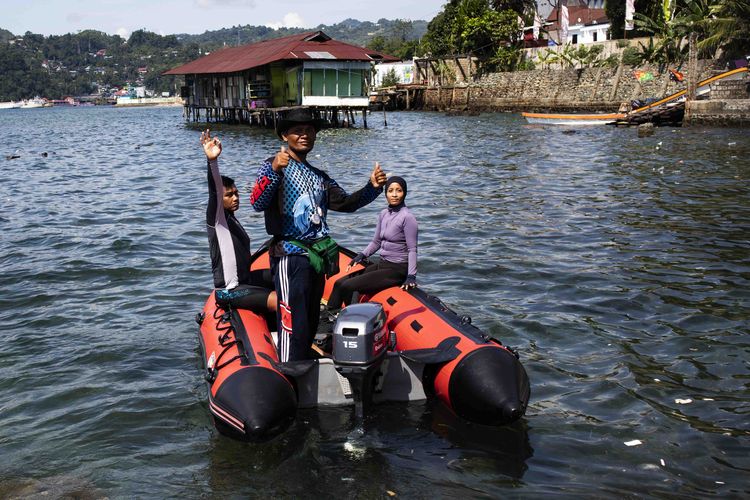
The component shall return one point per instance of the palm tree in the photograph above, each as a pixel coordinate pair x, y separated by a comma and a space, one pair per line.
726, 24
669, 32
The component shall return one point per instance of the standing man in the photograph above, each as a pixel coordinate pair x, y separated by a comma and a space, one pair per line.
296, 197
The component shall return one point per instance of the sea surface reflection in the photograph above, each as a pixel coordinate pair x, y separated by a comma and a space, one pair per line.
618, 267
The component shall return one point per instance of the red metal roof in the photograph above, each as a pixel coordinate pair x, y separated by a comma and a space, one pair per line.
580, 15
302, 46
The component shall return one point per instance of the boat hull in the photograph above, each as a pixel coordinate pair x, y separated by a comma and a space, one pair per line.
249, 398
572, 119
473, 374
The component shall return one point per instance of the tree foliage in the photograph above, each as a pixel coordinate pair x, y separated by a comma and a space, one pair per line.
721, 27
520, 7
477, 28
390, 79
77, 63
615, 11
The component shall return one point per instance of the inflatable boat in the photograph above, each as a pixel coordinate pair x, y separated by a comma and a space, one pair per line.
396, 345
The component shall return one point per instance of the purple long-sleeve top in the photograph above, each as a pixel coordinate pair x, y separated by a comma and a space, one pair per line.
396, 237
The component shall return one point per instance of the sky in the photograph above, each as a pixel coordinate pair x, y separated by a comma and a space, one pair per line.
166, 17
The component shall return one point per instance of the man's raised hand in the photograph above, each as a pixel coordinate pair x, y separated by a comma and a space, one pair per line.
211, 145
281, 160
377, 178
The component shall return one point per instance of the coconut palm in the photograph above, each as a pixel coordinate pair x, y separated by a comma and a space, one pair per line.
726, 26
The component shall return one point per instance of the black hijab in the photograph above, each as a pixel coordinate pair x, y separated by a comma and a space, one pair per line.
401, 182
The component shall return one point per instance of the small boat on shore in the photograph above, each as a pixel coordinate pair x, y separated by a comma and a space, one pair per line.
397, 345
574, 119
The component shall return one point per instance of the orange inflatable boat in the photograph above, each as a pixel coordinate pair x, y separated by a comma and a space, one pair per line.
396, 345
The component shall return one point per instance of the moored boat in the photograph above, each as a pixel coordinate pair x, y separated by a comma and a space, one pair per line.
36, 102
574, 119
397, 345
11, 104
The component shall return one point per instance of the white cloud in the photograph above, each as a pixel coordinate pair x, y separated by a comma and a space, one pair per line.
208, 4
123, 32
291, 20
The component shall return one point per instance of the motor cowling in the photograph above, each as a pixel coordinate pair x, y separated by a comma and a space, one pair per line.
360, 340
360, 335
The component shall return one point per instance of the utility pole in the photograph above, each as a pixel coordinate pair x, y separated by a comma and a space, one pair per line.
692, 82
692, 66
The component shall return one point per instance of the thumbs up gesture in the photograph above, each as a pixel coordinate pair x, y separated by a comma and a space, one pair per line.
281, 160
377, 178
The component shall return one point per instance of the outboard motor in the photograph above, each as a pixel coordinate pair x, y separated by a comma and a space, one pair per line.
360, 339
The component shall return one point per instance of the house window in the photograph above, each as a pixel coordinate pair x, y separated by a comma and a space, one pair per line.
356, 83
594, 35
575, 39
330, 82
315, 82
334, 82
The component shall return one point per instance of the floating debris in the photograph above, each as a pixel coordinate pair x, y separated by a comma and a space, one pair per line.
662, 462
683, 401
12, 157
634, 442
390, 493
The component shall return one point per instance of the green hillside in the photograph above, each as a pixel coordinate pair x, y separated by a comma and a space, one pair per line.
92, 61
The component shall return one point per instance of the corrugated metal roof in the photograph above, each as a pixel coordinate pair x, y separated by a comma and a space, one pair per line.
314, 45
580, 15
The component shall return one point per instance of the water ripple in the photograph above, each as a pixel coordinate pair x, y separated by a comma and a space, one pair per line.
617, 266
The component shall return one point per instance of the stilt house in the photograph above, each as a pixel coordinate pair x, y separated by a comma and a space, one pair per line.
252, 82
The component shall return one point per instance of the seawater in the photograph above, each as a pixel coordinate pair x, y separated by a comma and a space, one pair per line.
618, 267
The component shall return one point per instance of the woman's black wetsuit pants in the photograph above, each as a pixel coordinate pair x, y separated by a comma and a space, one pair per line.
374, 278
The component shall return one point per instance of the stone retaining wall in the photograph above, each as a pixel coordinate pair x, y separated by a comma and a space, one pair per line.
734, 89
589, 89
